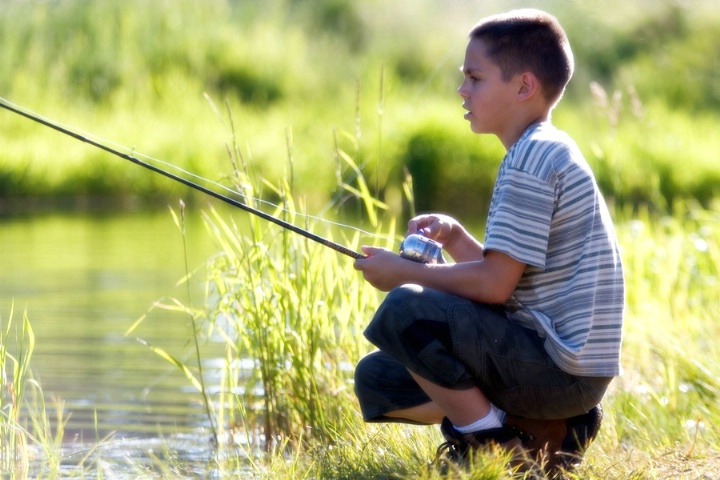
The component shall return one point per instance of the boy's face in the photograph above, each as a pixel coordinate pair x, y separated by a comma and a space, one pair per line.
487, 98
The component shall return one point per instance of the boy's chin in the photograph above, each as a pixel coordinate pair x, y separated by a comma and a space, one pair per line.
481, 129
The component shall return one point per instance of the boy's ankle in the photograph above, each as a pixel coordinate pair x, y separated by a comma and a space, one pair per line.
459, 448
506, 438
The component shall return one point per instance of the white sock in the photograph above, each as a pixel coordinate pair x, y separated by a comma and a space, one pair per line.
500, 414
490, 420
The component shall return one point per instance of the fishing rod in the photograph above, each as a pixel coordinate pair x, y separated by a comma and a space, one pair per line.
289, 226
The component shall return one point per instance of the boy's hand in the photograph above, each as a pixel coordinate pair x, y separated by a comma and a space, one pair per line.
435, 226
456, 241
382, 268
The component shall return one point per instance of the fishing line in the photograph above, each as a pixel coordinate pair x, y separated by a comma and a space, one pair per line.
102, 144
135, 153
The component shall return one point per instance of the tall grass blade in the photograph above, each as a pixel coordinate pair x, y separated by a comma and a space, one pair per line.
13, 437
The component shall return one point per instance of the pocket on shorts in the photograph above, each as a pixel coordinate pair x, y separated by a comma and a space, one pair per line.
439, 366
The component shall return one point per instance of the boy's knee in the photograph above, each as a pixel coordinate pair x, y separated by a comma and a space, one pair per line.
399, 295
366, 369
370, 373
394, 306
399, 300
401, 307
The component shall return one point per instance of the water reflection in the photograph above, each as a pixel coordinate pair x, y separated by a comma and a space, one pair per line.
84, 279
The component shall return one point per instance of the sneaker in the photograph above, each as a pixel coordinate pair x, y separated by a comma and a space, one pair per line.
457, 446
581, 431
559, 444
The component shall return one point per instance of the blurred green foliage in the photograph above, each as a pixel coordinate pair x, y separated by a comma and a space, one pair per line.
163, 77
440, 159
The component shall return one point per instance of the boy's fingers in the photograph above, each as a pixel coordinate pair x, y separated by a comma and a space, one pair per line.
413, 226
371, 251
421, 224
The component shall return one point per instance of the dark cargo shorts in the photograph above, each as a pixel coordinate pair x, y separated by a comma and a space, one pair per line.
459, 344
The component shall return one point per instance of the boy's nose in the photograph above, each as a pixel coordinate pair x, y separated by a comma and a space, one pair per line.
461, 90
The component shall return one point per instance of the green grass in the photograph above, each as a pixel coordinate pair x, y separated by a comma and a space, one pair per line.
304, 129
292, 312
14, 379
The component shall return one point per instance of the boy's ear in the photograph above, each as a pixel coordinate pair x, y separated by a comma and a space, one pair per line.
528, 86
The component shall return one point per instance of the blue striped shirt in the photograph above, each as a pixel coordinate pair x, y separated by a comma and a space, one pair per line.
547, 212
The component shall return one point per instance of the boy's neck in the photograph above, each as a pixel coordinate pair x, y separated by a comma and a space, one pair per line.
522, 124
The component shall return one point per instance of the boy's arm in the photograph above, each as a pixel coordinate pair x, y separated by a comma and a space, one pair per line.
491, 279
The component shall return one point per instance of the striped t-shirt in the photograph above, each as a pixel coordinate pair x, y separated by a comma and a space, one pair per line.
547, 212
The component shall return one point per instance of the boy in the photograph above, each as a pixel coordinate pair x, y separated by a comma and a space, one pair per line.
515, 342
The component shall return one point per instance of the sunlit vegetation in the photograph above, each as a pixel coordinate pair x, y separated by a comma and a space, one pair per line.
351, 105
291, 314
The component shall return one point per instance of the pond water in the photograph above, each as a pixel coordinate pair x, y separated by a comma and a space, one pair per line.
84, 279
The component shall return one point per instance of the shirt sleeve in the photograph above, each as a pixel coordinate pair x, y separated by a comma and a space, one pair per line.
520, 216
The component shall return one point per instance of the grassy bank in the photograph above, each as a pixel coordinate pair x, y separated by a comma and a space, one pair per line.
291, 313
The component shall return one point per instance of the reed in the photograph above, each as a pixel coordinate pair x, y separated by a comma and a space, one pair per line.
14, 372
292, 314
32, 439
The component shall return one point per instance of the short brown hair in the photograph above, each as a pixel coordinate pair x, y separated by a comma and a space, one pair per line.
529, 40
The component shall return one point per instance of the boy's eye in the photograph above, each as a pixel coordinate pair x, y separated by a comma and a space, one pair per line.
470, 75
